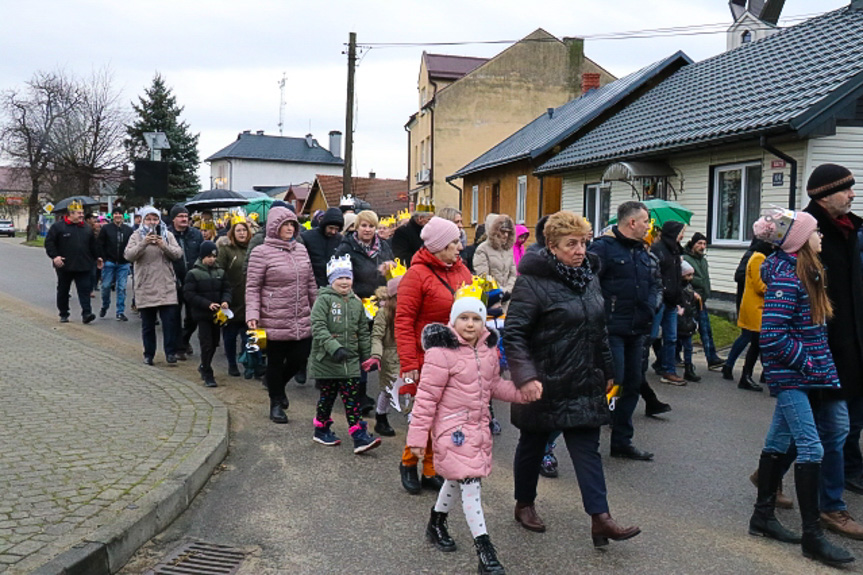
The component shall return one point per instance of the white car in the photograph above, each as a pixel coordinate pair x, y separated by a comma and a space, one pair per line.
7, 228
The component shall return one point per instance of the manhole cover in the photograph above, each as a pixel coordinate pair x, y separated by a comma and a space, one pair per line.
199, 558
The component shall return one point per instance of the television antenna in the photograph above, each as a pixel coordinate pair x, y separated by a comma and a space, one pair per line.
282, 102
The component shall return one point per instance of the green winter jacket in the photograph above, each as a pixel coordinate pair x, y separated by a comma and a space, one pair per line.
338, 321
232, 259
701, 279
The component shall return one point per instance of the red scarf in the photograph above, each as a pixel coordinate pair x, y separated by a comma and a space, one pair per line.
69, 222
845, 225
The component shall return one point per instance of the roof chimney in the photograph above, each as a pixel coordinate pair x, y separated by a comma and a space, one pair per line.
310, 141
247, 131
550, 113
589, 81
372, 175
260, 132
336, 143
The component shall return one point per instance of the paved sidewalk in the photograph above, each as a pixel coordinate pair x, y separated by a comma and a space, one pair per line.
98, 453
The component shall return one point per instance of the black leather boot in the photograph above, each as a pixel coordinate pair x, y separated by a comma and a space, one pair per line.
488, 563
410, 479
437, 533
815, 545
747, 383
382, 425
763, 521
689, 373
277, 414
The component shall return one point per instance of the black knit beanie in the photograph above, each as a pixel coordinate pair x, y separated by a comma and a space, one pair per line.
828, 179
177, 210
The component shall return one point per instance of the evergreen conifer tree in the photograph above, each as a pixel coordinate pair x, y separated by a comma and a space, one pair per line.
157, 111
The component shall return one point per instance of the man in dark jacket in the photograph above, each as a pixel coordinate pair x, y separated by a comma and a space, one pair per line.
667, 251
111, 244
695, 255
190, 240
71, 245
838, 414
630, 291
322, 241
406, 240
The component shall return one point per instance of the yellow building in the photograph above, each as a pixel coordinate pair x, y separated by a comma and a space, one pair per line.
468, 105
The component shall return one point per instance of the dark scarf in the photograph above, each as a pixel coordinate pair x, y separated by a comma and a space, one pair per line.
576, 279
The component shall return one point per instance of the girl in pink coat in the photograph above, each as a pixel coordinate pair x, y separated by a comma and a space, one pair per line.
460, 375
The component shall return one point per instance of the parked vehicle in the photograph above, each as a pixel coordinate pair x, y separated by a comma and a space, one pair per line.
7, 228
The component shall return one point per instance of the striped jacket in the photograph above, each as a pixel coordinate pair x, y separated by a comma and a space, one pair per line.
794, 350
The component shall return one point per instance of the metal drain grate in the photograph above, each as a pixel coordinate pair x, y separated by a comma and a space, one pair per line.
199, 558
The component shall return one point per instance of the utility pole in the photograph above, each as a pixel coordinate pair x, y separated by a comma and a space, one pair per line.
349, 115
282, 101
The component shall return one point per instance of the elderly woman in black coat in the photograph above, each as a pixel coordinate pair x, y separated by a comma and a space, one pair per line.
557, 347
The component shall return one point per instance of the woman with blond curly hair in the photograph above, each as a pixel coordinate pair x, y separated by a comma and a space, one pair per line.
557, 347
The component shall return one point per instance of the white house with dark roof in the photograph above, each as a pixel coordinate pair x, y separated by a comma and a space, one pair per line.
731, 135
261, 161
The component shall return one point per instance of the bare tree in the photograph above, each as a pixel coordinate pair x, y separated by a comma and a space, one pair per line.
30, 116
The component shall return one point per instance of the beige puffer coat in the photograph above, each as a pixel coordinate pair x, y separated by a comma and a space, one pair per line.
155, 282
494, 256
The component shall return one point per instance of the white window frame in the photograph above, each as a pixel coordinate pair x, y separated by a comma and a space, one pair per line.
596, 218
745, 234
474, 204
521, 200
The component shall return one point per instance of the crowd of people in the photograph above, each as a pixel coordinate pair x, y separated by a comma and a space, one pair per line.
556, 327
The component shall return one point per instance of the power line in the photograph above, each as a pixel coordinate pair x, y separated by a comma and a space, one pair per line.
690, 30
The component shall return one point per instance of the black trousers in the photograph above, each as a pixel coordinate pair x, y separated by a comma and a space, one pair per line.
184, 322
83, 285
208, 337
583, 447
284, 360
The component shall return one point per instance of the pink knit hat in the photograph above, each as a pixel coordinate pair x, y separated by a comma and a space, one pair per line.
787, 229
801, 230
438, 233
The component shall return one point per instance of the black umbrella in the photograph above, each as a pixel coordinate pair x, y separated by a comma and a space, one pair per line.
63, 205
216, 199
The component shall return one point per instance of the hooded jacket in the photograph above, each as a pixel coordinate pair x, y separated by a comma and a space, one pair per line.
494, 256
407, 241
205, 285
320, 247
557, 335
280, 284
425, 296
667, 251
155, 279
840, 256
794, 351
752, 302
232, 259
367, 277
384, 347
74, 242
338, 321
518, 250
458, 381
701, 279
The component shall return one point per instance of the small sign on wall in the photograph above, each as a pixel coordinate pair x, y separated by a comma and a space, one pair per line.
778, 179
777, 164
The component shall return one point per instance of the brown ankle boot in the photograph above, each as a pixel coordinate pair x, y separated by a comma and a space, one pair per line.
603, 528
525, 513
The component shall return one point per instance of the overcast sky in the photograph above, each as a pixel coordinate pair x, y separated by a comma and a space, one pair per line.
224, 59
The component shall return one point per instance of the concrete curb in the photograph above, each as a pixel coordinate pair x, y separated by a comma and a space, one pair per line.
108, 549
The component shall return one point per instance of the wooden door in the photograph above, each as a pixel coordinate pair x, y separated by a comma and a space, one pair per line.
495, 198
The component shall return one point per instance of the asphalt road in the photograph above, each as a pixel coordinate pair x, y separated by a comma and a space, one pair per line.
297, 507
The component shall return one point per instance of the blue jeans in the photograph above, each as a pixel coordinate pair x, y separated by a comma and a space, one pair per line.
686, 345
627, 353
657, 323
853, 457
669, 339
706, 333
739, 346
793, 420
110, 272
831, 417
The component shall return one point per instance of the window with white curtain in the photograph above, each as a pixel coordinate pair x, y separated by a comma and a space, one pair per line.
521, 200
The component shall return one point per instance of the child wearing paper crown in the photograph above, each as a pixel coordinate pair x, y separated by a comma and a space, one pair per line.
460, 375
206, 291
340, 343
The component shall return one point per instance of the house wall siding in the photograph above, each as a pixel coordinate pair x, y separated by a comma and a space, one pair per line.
845, 148
693, 193
245, 174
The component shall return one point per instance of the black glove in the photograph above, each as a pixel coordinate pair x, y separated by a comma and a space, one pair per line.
341, 355
506, 297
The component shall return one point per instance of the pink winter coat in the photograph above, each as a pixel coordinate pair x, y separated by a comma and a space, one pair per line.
518, 249
280, 283
456, 385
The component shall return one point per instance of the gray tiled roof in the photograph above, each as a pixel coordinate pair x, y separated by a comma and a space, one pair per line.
545, 132
276, 148
778, 84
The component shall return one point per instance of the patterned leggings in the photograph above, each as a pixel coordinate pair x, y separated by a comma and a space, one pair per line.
471, 495
350, 390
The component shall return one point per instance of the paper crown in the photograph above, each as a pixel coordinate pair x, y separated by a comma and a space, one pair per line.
387, 222
370, 304
307, 224
238, 217
208, 225
254, 216
395, 271
774, 224
347, 201
339, 265
257, 340
75, 205
426, 205
403, 215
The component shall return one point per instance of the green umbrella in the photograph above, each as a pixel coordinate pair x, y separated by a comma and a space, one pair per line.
260, 206
662, 211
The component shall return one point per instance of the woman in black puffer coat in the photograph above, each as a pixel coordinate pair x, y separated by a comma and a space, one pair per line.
367, 253
555, 340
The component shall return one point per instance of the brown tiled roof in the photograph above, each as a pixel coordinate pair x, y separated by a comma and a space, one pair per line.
299, 192
446, 67
386, 196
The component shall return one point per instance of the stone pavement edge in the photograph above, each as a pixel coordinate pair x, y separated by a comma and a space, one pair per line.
98, 452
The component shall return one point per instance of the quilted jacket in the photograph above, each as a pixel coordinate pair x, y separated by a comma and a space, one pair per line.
280, 284
205, 285
494, 256
155, 279
458, 381
338, 321
557, 335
